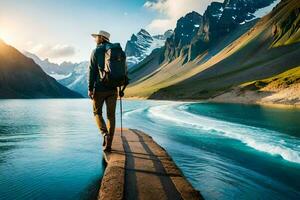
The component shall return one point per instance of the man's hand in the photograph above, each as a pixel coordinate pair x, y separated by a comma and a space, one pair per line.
91, 94
121, 93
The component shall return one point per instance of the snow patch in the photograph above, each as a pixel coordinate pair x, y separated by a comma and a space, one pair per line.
266, 10
59, 76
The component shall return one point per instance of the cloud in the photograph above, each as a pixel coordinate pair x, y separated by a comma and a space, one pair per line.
158, 26
169, 11
53, 51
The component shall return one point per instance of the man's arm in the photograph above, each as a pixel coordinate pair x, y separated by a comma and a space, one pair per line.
122, 89
92, 73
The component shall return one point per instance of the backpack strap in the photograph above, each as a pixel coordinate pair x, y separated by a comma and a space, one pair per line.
102, 72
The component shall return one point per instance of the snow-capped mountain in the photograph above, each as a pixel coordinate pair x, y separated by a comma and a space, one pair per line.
57, 71
195, 33
142, 44
265, 10
70, 75
234, 55
77, 80
21, 77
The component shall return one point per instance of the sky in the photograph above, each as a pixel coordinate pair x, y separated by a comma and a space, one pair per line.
60, 29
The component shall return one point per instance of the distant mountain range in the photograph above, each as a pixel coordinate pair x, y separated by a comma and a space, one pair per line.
212, 54
57, 71
71, 75
21, 77
142, 44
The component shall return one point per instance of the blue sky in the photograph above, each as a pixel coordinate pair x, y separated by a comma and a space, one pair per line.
60, 29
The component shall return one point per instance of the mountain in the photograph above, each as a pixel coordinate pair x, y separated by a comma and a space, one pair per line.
77, 80
57, 71
21, 77
197, 38
194, 34
186, 29
224, 54
70, 75
142, 44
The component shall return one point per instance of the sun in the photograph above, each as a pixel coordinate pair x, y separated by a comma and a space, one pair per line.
6, 37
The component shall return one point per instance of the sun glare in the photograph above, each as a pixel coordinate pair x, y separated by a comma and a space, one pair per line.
6, 37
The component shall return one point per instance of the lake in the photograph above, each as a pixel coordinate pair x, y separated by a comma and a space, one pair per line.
52, 149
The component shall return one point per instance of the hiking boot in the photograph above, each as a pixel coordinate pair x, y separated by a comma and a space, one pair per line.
105, 139
107, 149
107, 146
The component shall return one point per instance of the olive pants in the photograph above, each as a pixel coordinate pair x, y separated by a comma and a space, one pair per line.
110, 99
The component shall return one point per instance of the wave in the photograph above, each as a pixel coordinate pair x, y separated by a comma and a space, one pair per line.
264, 140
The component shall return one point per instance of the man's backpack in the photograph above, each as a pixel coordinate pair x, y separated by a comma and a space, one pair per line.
114, 73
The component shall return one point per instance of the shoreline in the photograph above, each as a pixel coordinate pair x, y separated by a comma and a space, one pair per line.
265, 104
284, 98
227, 101
211, 100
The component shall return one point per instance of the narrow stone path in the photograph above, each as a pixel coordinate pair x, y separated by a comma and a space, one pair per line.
138, 168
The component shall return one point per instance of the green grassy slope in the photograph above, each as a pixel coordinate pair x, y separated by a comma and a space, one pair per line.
276, 82
258, 54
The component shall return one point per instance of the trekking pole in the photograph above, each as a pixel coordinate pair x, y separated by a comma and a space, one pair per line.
121, 115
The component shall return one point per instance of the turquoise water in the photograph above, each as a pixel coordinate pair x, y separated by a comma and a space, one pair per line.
51, 148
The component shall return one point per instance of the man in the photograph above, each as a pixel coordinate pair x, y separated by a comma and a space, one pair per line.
101, 93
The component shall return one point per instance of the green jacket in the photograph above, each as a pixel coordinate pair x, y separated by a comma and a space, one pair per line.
96, 62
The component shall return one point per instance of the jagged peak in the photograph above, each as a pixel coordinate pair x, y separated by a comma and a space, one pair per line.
133, 38
168, 32
143, 32
192, 14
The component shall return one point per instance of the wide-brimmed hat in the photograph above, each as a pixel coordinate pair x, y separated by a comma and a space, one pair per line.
102, 33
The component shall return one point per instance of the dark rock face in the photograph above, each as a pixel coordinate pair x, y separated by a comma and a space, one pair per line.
234, 13
186, 29
194, 33
21, 77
